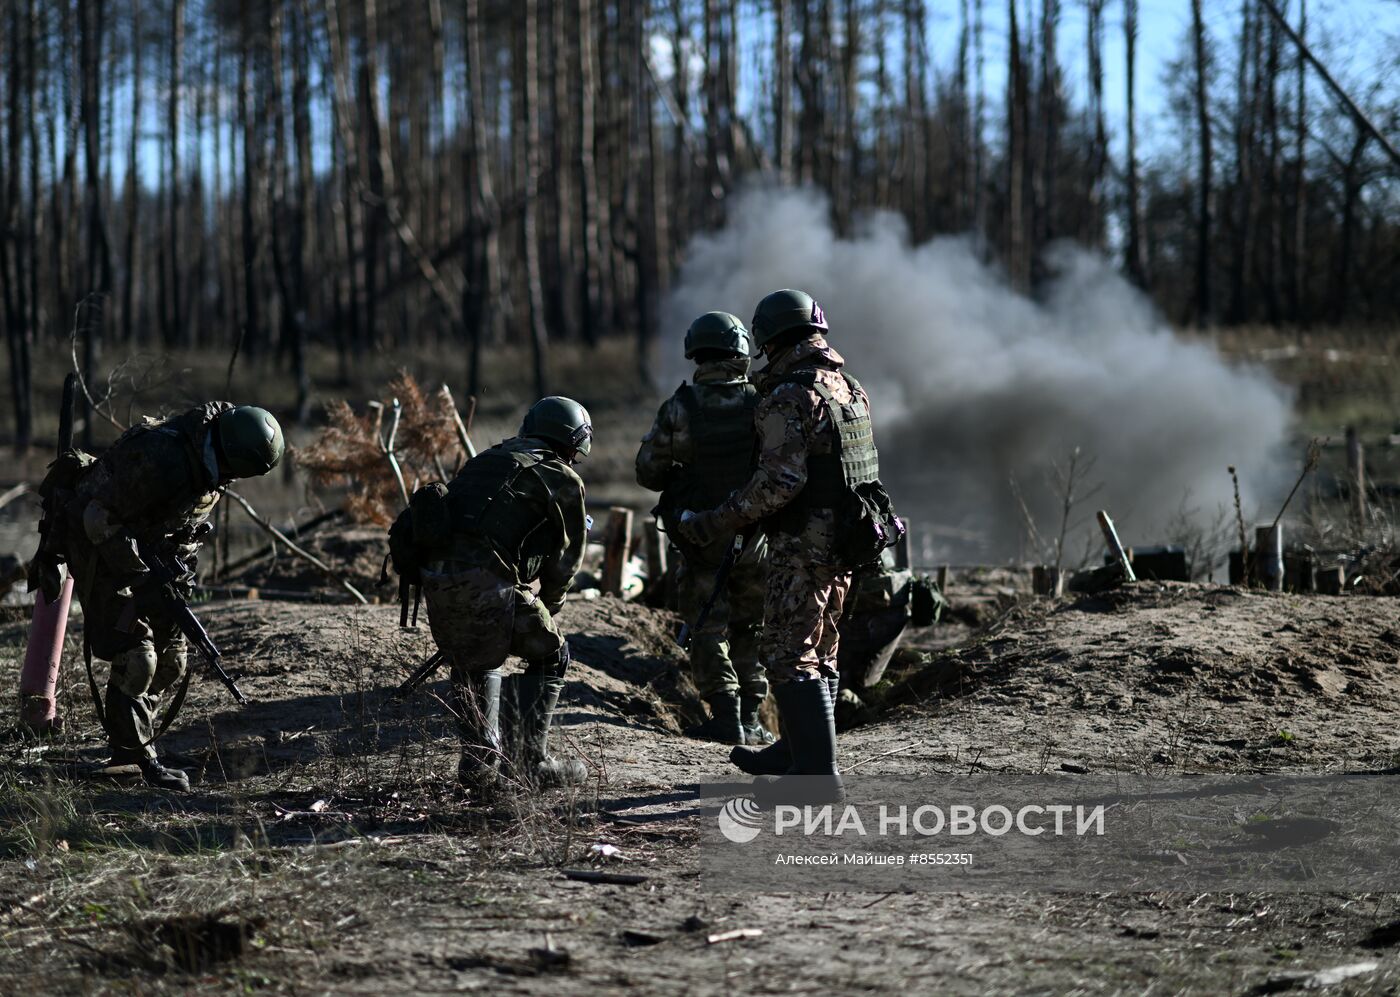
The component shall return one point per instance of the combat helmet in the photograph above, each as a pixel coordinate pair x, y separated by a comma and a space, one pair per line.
250, 440
784, 310
562, 422
718, 331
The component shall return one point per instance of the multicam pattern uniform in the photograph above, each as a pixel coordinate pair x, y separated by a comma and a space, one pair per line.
724, 655
157, 485
807, 587
480, 606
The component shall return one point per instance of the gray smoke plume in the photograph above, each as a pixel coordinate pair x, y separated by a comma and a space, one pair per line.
974, 385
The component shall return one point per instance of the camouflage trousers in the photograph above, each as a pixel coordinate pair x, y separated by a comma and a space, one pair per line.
480, 619
724, 653
147, 654
801, 613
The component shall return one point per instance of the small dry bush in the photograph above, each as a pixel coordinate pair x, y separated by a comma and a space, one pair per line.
350, 452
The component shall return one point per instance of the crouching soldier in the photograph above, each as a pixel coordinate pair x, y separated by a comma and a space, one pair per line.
816, 487
514, 515
699, 449
149, 494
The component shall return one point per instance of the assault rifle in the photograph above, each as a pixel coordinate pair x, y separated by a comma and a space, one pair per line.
165, 572
721, 580
418, 677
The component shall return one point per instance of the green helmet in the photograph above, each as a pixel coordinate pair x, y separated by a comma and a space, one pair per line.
250, 440
562, 422
784, 310
718, 331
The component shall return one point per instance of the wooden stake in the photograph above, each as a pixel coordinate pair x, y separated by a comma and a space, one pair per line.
656, 556
1268, 556
1115, 546
1356, 475
618, 547
463, 429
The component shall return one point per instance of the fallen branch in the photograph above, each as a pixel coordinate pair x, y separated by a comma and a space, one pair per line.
277, 534
608, 878
883, 754
78, 369
9, 496
733, 936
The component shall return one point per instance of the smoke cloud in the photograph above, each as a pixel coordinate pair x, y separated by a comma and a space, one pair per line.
973, 384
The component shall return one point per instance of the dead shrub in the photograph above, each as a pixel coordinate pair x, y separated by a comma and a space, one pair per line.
351, 452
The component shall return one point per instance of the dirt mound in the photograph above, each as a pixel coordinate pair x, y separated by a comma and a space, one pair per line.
355, 553
1307, 673
321, 677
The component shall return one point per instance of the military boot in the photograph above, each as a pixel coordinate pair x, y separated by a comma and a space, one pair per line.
809, 723
480, 729
161, 777
527, 704
754, 731
772, 760
724, 725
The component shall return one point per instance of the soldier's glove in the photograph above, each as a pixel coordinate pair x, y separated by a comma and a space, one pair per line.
706, 528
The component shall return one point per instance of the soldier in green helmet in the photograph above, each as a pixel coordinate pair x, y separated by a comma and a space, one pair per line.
816, 490
151, 491
514, 515
699, 449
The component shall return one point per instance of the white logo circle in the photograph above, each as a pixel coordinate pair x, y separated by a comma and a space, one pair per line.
740, 820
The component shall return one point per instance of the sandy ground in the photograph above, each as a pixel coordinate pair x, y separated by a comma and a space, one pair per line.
323, 851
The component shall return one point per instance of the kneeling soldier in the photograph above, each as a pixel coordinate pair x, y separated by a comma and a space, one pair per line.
699, 449
512, 516
150, 493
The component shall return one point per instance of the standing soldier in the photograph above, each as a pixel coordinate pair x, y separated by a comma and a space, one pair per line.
150, 493
816, 489
699, 450
513, 516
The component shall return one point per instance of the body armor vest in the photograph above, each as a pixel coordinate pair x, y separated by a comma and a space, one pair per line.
834, 477
722, 437
488, 502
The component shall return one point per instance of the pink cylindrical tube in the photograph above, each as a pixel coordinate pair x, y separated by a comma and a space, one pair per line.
38, 679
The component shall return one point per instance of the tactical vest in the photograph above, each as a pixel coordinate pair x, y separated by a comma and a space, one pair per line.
488, 502
722, 440
835, 476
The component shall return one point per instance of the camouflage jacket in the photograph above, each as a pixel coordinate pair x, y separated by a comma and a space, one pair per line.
548, 513
156, 484
793, 424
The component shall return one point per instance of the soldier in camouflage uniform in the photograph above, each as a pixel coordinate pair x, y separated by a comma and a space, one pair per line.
155, 487
699, 449
515, 515
813, 423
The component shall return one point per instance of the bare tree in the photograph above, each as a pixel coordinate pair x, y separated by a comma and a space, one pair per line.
1204, 194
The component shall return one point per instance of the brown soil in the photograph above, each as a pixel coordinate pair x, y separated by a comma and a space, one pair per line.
322, 852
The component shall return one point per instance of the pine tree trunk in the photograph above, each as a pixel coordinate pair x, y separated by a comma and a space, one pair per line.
1204, 193
534, 288
1137, 246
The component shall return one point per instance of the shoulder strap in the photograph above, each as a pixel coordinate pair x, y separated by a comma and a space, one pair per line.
689, 400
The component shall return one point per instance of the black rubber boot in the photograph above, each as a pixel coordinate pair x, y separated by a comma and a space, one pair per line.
161, 777
772, 760
528, 702
809, 723
723, 726
479, 724
754, 731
